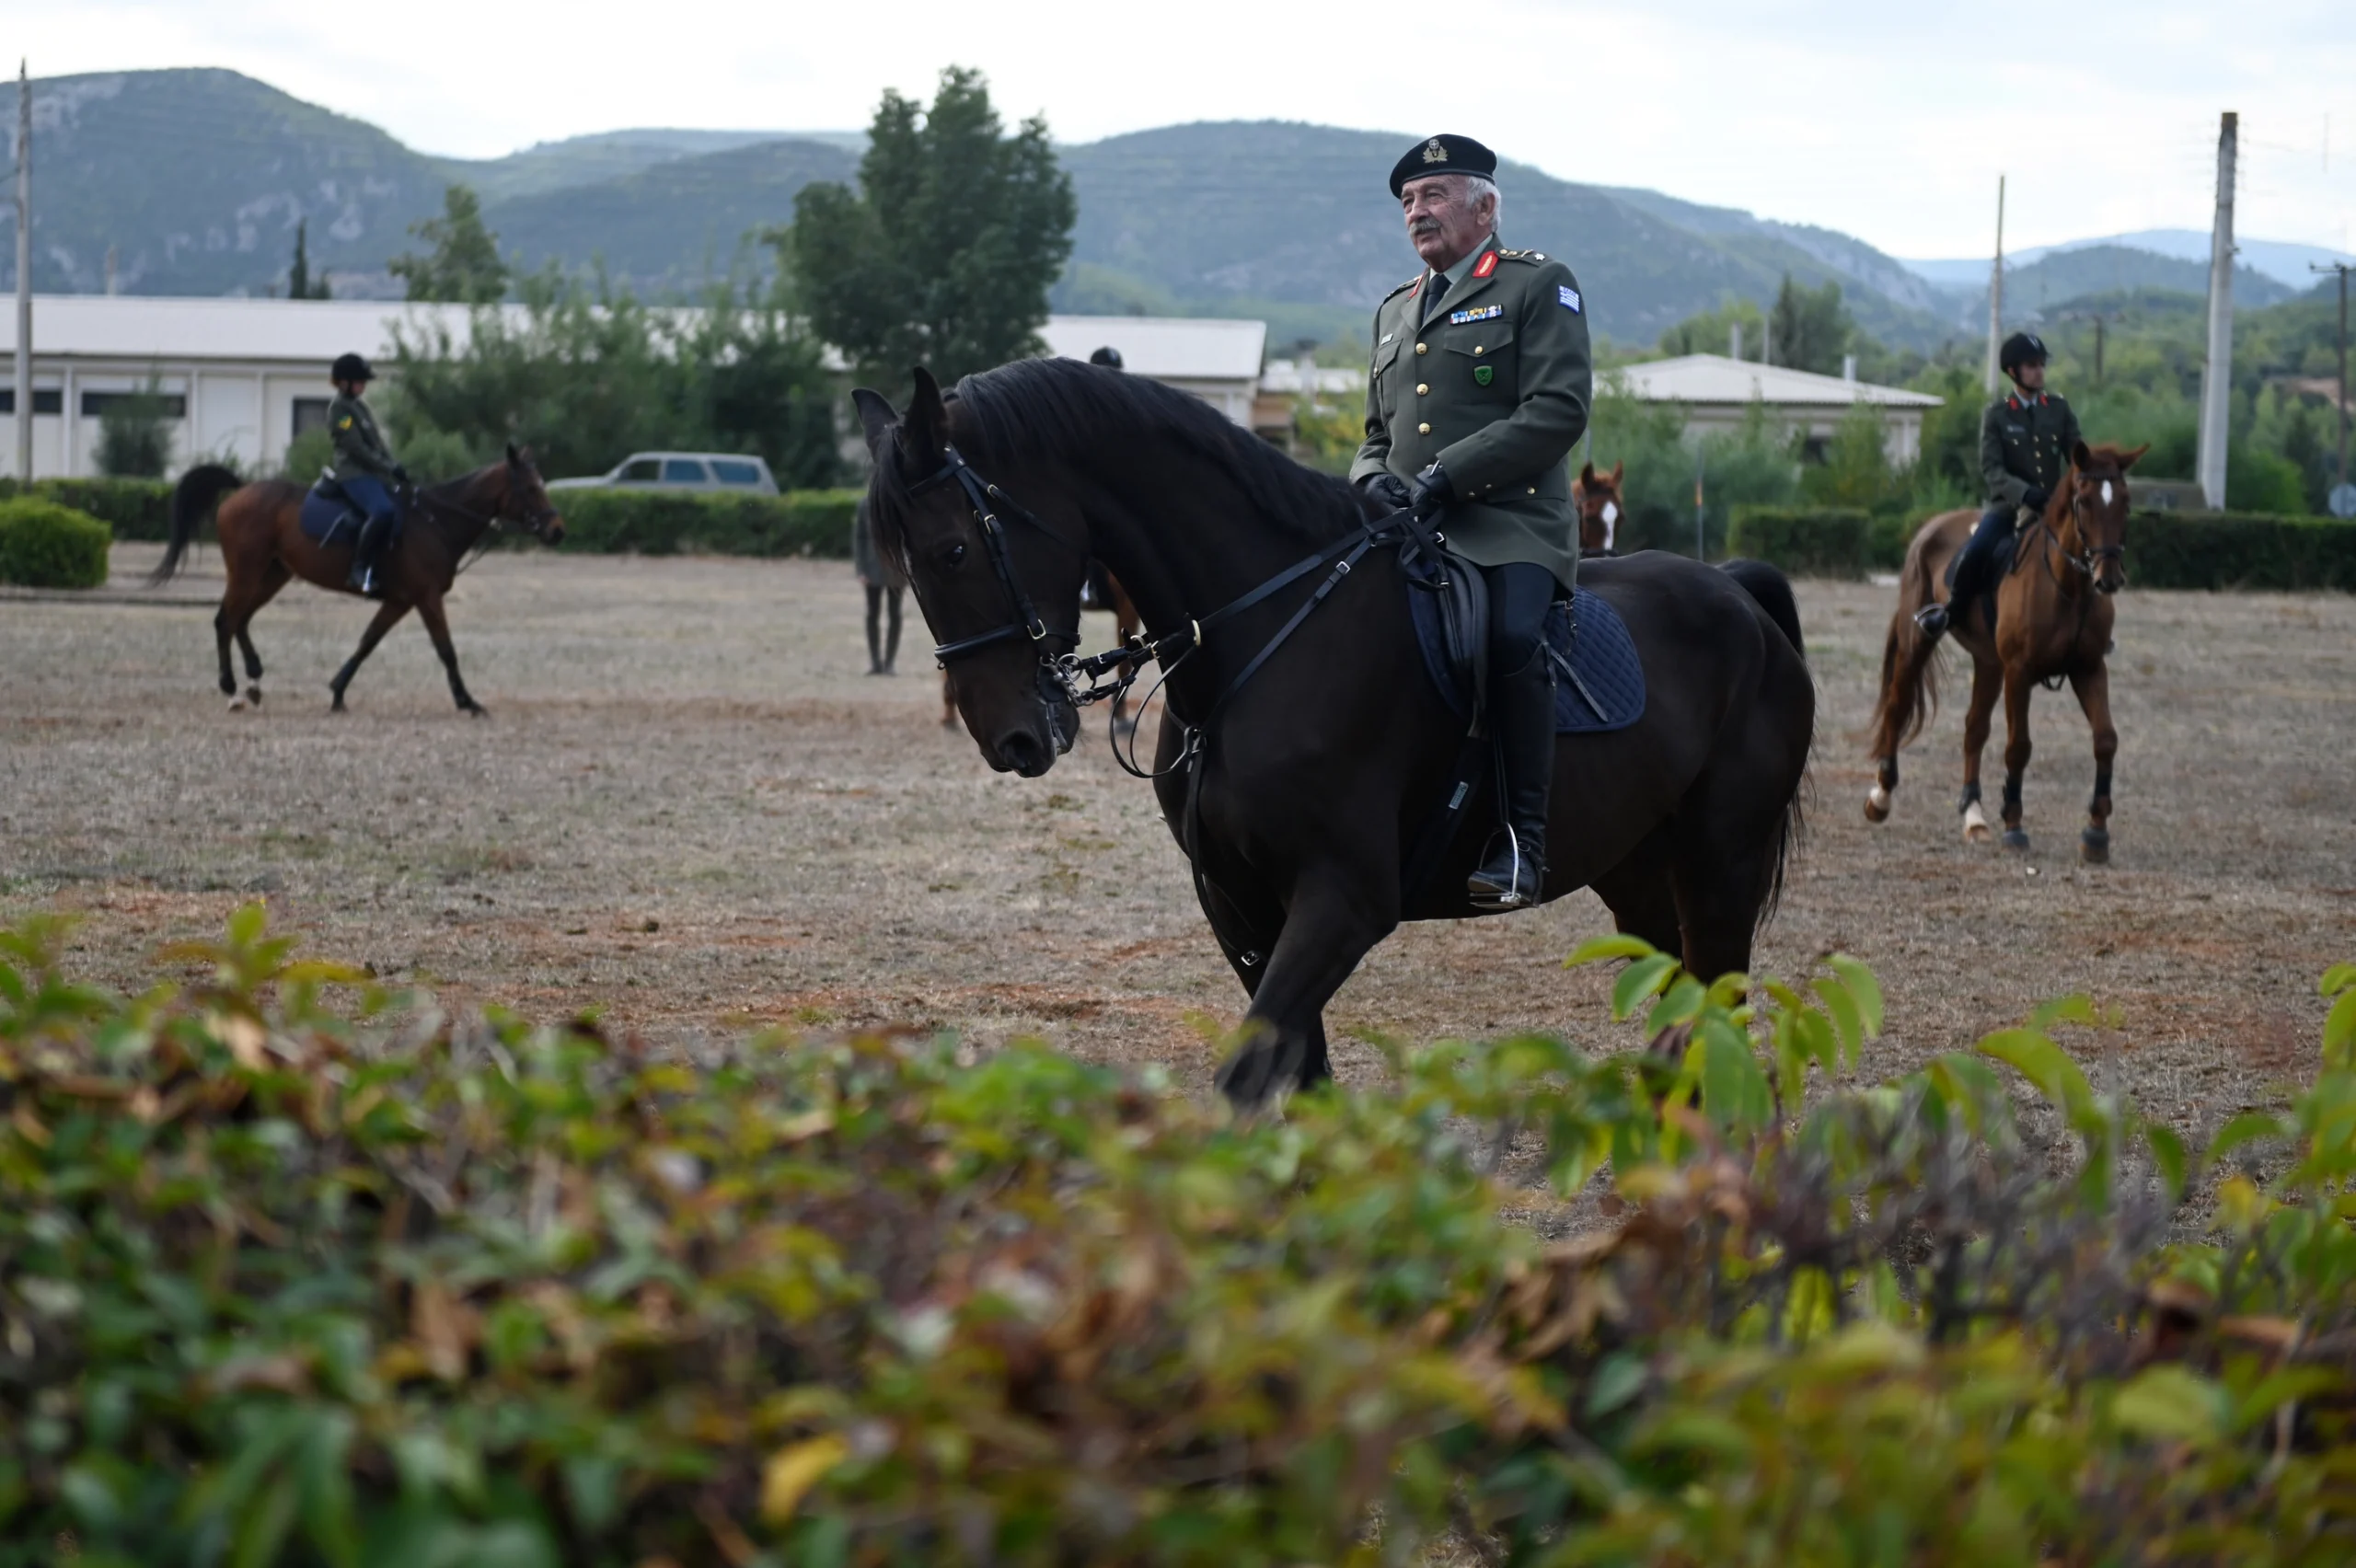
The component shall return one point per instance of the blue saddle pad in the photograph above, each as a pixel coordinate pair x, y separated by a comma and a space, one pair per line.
328, 514
1598, 680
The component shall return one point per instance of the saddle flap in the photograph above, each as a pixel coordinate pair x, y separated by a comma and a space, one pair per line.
1463, 598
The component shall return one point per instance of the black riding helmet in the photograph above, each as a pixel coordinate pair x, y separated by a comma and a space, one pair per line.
1108, 356
350, 367
2020, 349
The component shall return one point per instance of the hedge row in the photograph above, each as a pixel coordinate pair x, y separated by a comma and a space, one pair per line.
800, 523
44, 545
132, 509
291, 1284
2165, 549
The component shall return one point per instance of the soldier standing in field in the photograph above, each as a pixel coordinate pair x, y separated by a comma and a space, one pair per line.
364, 469
2025, 439
1479, 388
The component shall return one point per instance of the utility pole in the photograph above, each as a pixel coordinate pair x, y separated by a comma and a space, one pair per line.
24, 273
2217, 374
2099, 317
1701, 512
1996, 292
2343, 269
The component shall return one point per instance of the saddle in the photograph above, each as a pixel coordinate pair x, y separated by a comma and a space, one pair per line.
1600, 679
328, 512
1458, 598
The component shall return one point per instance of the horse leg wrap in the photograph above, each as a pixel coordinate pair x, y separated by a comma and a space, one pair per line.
2100, 807
1970, 798
2012, 800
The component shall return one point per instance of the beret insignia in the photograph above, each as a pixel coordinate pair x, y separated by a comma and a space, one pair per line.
1434, 153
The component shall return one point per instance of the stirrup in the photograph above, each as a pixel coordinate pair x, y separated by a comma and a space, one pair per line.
1486, 895
1933, 620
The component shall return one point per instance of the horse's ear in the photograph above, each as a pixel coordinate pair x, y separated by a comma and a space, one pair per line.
2083, 456
927, 421
876, 416
514, 453
1587, 476
2127, 459
1618, 468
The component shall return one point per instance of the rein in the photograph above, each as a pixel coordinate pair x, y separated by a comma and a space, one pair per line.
490, 524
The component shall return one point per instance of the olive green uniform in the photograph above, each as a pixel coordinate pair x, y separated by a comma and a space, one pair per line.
2025, 439
1495, 387
359, 446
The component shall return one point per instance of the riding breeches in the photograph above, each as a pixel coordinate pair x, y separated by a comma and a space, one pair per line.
1977, 568
1520, 592
369, 494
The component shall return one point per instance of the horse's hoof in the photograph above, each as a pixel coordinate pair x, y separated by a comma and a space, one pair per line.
253, 694
239, 704
1975, 826
2094, 846
2015, 839
476, 710
1877, 804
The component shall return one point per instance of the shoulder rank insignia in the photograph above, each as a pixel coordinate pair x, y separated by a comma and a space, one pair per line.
1486, 265
1477, 313
1523, 255
1569, 297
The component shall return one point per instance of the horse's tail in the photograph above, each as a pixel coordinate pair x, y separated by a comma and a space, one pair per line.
1771, 591
1910, 669
195, 495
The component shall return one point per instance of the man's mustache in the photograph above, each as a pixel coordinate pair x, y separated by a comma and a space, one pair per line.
1423, 225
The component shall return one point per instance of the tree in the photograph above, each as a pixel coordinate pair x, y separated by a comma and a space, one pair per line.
1710, 332
300, 284
463, 267
944, 255
135, 435
1810, 328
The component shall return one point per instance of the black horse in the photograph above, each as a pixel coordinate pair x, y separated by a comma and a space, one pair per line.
1302, 791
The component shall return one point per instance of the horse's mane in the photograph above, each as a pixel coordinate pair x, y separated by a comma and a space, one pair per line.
1064, 410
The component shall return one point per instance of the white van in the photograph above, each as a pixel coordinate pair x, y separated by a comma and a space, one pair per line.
681, 471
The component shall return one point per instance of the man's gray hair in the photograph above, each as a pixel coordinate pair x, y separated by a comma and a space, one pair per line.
1479, 185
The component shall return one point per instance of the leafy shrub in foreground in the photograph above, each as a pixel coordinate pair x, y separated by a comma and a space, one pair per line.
44, 545
288, 1282
131, 509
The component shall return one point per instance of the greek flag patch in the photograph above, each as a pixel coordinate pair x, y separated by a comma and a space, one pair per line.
1480, 313
1569, 296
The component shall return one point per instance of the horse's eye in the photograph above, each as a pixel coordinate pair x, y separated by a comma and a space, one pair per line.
954, 555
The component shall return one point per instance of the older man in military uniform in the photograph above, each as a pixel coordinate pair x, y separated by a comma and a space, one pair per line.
2025, 439
364, 469
1479, 389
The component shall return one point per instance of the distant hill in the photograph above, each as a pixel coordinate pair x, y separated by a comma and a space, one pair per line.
587, 160
672, 225
2284, 262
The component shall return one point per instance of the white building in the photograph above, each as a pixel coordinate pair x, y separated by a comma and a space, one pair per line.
1717, 394
242, 377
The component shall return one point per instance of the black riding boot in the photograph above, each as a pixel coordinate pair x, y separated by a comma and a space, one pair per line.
1521, 708
367, 556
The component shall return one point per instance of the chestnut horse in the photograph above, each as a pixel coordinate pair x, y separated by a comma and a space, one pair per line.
2054, 615
1600, 507
263, 548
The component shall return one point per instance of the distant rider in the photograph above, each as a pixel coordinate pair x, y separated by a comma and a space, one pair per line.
365, 470
1479, 389
2025, 439
882, 582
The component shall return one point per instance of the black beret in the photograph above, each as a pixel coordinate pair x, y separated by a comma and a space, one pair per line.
1443, 155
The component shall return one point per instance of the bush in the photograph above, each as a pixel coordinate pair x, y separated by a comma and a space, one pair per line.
284, 1282
2224, 550
800, 523
131, 509
1828, 541
135, 437
44, 545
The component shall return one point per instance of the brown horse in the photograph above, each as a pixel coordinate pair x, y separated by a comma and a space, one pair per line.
1600, 507
2053, 621
263, 548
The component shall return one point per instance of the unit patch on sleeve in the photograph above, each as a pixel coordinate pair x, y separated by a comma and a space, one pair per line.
1479, 312
1569, 296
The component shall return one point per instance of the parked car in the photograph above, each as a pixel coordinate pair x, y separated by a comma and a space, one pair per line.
682, 471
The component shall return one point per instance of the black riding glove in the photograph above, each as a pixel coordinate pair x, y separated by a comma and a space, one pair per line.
1388, 489
1434, 491
2035, 497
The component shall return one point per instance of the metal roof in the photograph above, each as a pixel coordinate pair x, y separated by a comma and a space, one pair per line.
1714, 378
143, 327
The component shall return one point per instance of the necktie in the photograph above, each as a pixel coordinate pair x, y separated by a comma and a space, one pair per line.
1432, 293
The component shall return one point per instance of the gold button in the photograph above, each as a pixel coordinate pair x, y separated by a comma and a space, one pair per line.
1422, 429
1533, 489
1421, 389
1476, 348
1419, 348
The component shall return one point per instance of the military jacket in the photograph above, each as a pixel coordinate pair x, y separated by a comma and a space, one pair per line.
359, 447
1496, 388
2026, 440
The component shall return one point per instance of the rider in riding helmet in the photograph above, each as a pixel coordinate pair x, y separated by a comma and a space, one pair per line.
1479, 389
364, 469
1108, 356
2025, 439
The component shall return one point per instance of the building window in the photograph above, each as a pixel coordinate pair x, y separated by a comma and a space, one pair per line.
46, 400
310, 414
173, 404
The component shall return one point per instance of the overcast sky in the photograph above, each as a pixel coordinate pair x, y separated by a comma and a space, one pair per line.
1885, 120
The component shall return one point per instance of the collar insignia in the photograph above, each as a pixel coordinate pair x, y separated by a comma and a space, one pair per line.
1486, 265
1434, 152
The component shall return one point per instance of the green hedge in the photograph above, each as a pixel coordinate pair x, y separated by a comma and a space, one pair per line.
800, 522
2227, 549
291, 1284
44, 545
1830, 541
132, 509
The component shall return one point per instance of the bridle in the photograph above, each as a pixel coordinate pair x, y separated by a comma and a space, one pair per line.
492, 523
2090, 559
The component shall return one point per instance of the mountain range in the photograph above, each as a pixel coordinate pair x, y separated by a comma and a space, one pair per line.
191, 181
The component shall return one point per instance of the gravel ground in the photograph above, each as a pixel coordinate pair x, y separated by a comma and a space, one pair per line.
692, 809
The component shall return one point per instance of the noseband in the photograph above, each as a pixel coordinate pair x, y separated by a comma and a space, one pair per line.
2089, 560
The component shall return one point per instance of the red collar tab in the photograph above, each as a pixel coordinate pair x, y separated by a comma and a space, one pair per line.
1486, 265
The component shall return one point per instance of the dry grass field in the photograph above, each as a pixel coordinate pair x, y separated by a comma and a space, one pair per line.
691, 809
